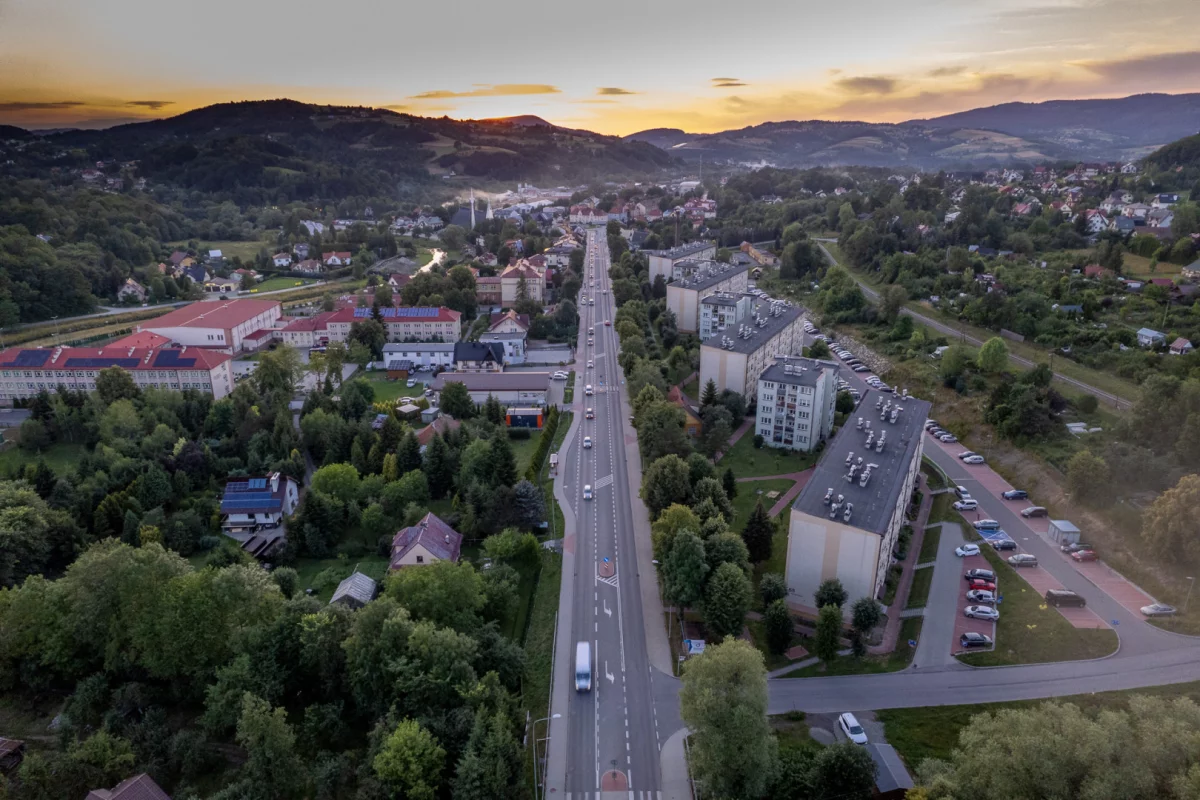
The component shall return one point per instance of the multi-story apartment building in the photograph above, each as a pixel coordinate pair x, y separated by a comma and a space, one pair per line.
403, 324
796, 403
721, 311
735, 359
683, 297
662, 262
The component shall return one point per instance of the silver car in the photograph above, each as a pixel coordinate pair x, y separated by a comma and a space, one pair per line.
981, 612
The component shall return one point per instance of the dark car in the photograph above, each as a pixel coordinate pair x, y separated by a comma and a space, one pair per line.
1004, 544
1034, 511
1084, 555
980, 574
1015, 494
1063, 597
972, 639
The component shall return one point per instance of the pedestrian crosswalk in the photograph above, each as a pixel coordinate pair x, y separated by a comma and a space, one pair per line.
629, 794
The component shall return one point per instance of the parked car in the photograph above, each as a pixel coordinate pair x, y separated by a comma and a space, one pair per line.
974, 460
1004, 543
948, 438
929, 423
1084, 555
860, 368
981, 612
1158, 610
962, 551
980, 583
966, 454
966, 505
972, 639
1015, 494
849, 725
962, 492
1034, 511
981, 596
1023, 560
1074, 547
985, 574
1064, 597
986, 525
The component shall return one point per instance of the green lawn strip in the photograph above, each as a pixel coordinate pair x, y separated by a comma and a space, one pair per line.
1031, 632
557, 522
692, 389
387, 390
901, 657
746, 462
61, 457
282, 282
943, 510
932, 732
569, 389
933, 474
309, 568
758, 636
539, 650
523, 450
747, 496
918, 595
929, 544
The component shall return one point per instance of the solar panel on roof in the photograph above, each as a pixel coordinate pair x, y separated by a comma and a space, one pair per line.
404, 313
258, 483
237, 486
31, 358
170, 358
102, 363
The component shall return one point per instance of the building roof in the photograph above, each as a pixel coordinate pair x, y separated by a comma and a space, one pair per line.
1181, 344
683, 250
479, 351
874, 504
442, 541
131, 358
317, 322
400, 314
222, 314
1150, 333
357, 587
139, 787
494, 381
708, 276
419, 347
720, 299
773, 324
254, 495
498, 318
442, 425
798, 371
890, 773
143, 339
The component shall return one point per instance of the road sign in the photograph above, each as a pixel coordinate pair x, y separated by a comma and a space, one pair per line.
606, 559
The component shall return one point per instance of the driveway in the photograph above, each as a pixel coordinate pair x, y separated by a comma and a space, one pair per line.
943, 611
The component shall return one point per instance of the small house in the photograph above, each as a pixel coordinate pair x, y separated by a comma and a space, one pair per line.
1147, 337
12, 753
139, 787
398, 369
478, 357
336, 258
282, 260
524, 418
1181, 347
355, 591
131, 290
249, 505
428, 541
692, 424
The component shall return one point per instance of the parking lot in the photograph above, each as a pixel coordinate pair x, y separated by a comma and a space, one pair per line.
963, 623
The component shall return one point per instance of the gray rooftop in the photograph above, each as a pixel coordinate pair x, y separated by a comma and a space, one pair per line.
721, 299
810, 370
683, 250
774, 324
874, 503
356, 587
419, 347
709, 277
891, 774
494, 381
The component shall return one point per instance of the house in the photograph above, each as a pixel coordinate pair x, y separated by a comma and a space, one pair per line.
1181, 347
398, 281
131, 290
1164, 200
1147, 337
428, 541
139, 787
422, 356
1191, 271
194, 272
692, 425
301, 250
222, 286
478, 357
521, 282
177, 258
336, 259
12, 753
355, 591
215, 256
1096, 220
1122, 224
309, 266
243, 273
250, 505
441, 425
1160, 218
282, 259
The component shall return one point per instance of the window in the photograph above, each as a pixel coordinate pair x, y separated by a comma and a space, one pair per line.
420, 559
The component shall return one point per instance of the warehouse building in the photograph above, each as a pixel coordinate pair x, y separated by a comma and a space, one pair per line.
225, 325
510, 388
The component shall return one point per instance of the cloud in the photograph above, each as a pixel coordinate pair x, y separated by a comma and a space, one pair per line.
397, 107
598, 101
723, 80
946, 72
613, 90
153, 105
1149, 68
868, 84
490, 90
59, 105
726, 83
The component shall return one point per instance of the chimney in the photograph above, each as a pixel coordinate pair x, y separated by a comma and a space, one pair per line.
274, 482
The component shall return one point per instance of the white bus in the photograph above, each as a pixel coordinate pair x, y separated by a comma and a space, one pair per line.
583, 667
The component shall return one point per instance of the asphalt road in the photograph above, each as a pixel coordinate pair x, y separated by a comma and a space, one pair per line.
949, 330
612, 740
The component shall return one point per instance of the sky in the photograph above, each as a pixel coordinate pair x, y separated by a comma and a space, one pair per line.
615, 67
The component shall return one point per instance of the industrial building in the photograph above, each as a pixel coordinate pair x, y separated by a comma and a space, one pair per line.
684, 296
796, 403
735, 359
846, 520
225, 325
510, 388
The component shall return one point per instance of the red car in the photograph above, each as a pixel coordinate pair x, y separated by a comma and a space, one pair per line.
979, 583
608, 323
1084, 555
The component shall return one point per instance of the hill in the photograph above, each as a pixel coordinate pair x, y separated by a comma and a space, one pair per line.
1183, 153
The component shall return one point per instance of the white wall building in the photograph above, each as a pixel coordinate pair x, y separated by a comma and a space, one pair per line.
220, 324
735, 359
797, 398
421, 354
721, 311
683, 297
662, 262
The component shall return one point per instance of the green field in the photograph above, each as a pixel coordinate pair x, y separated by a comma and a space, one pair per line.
59, 457
272, 284
747, 496
246, 251
309, 568
746, 462
386, 390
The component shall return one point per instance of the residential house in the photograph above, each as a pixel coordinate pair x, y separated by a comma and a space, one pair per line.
1147, 337
336, 258
428, 541
489, 291
1122, 224
402, 323
194, 272
511, 331
439, 425
282, 260
355, 591
301, 250
1115, 201
243, 273
692, 425
478, 357
420, 356
131, 290
1164, 200
1181, 347
1160, 218
177, 258
1192, 271
398, 281
309, 266
1097, 221
521, 282
222, 286
249, 505
139, 787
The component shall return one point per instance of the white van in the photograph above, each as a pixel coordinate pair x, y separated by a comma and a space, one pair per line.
583, 667
588, 390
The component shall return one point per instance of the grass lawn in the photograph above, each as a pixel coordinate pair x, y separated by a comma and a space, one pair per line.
247, 251
910, 630
569, 389
747, 462
59, 457
942, 510
1031, 632
748, 495
539, 648
918, 595
282, 282
929, 544
523, 450
791, 732
309, 568
758, 632
386, 390
692, 388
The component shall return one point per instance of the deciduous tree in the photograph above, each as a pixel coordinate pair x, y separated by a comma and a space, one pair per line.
726, 601
778, 623
829, 631
411, 761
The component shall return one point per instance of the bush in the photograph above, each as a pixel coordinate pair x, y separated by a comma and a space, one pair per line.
519, 433
1087, 404
758, 441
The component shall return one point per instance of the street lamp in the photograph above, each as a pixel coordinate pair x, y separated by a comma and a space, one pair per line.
1191, 583
537, 773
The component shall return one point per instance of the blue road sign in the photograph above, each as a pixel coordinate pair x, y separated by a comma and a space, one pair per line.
606, 560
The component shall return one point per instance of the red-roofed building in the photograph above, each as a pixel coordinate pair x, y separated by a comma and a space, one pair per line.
25, 372
403, 323
428, 541
146, 339
336, 259
442, 425
489, 291
306, 332
223, 324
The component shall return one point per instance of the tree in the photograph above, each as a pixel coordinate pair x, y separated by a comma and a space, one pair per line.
114, 384
709, 397
819, 349
661, 430
408, 454
670, 522
891, 301
529, 506
444, 592
1169, 524
724, 704
993, 356
829, 632
453, 236
456, 400
830, 593
287, 579
758, 533
718, 427
843, 771
1088, 478
865, 614
844, 403
411, 761
684, 570
270, 744
339, 481
772, 587
491, 765
439, 467
413, 487
729, 483
726, 601
278, 370
779, 627
501, 461
666, 481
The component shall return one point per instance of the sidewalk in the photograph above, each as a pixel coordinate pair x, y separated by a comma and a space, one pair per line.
746, 425
891, 633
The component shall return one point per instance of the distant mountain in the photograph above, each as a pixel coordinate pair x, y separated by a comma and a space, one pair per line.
1122, 128
13, 132
524, 121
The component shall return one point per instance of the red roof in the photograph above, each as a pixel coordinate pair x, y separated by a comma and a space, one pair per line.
224, 315
313, 323
444, 315
261, 333
143, 339
442, 541
344, 255
95, 358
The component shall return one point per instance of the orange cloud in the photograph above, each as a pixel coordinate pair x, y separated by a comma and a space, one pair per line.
613, 90
491, 90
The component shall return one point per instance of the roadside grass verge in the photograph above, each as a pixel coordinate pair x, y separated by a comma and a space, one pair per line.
910, 630
929, 544
918, 595
539, 651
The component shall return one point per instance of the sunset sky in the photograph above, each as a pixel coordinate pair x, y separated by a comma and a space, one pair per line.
617, 67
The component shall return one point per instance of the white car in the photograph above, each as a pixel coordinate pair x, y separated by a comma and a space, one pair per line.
591, 364
965, 550
587, 491
966, 505
981, 612
587, 390
590, 414
587, 443
973, 460
849, 725
559, 376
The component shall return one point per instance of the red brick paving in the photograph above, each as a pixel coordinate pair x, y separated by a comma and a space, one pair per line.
1113, 583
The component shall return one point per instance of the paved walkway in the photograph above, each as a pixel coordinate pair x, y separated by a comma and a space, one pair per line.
746, 425
891, 633
800, 480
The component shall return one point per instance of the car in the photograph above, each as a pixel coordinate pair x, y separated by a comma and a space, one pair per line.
590, 414
981, 612
1158, 610
929, 423
587, 390
983, 574
411, 383
986, 525
591, 364
1023, 560
965, 505
948, 438
587, 491
1003, 543
587, 443
559, 376
1072, 547
972, 639
1085, 555
883, 387
1065, 597
1015, 494
962, 492
981, 596
962, 551
860, 368
1034, 511
608, 323
974, 460
849, 725
965, 454
980, 583
591, 342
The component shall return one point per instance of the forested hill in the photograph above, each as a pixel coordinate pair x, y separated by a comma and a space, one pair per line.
1183, 153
